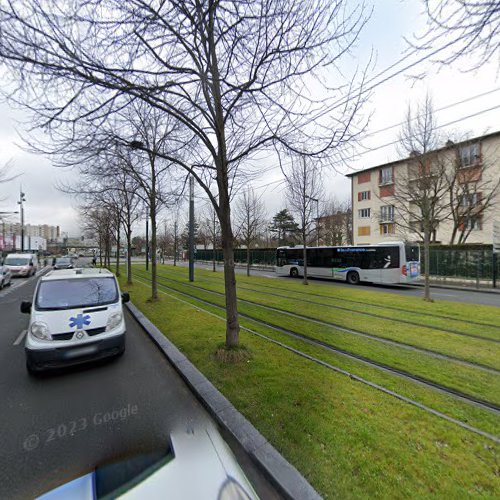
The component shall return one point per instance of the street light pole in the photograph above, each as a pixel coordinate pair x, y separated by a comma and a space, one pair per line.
317, 217
20, 202
147, 241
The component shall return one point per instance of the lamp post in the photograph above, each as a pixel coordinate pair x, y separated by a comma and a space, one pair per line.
147, 241
22, 199
317, 217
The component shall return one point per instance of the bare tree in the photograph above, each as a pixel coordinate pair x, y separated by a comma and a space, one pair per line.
419, 193
250, 216
304, 188
235, 74
336, 223
211, 229
473, 190
463, 26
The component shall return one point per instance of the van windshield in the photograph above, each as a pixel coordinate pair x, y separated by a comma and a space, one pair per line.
16, 261
71, 293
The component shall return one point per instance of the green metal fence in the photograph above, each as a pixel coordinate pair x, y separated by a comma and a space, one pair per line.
469, 263
258, 256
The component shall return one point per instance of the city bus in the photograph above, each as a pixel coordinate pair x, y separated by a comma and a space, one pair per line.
389, 262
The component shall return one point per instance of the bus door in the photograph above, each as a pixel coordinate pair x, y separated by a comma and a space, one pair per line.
319, 262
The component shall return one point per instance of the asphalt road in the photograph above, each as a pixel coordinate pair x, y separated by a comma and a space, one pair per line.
53, 429
438, 293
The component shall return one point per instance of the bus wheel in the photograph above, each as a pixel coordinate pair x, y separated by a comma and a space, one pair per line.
353, 278
294, 272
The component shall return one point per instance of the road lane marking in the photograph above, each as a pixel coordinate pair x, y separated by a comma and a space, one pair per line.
21, 337
444, 294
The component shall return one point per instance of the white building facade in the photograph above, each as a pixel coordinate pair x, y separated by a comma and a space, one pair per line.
375, 202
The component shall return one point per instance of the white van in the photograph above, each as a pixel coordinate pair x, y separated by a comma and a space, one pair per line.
21, 264
76, 316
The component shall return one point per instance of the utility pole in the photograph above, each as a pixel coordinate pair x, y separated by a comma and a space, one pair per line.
191, 228
20, 202
317, 217
147, 241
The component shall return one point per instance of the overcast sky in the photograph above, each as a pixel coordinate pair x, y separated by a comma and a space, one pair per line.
390, 22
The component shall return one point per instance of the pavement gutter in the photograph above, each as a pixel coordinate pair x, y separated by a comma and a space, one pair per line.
284, 476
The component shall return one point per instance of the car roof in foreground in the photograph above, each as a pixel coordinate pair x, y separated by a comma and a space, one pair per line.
78, 273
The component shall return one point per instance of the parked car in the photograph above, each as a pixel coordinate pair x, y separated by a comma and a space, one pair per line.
21, 264
196, 463
76, 317
5, 276
63, 263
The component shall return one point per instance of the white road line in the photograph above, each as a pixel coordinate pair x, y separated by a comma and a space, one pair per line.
444, 294
21, 337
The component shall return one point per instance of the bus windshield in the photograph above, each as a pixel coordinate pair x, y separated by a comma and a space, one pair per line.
412, 253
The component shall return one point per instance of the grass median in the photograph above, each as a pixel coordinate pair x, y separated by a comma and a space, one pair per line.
348, 439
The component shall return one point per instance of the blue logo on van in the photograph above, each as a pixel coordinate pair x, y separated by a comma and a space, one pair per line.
80, 321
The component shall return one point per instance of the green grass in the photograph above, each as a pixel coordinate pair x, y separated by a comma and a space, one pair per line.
348, 439
471, 381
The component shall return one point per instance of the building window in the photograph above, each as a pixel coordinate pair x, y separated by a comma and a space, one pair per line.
364, 231
364, 213
470, 200
469, 155
386, 175
363, 195
364, 177
387, 229
472, 223
387, 213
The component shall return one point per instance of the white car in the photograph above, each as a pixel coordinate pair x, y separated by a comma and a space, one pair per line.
76, 316
5, 276
198, 464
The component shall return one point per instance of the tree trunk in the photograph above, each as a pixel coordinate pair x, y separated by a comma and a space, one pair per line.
118, 253
427, 290
175, 243
248, 259
305, 282
129, 255
154, 280
214, 240
232, 323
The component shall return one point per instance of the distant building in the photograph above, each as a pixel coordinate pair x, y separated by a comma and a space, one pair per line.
374, 196
50, 233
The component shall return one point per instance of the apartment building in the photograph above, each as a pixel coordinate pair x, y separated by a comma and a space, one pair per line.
379, 214
50, 233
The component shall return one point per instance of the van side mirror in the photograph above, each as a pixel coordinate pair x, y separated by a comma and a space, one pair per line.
125, 297
25, 307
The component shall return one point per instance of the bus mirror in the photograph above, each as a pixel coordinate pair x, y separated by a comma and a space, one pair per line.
125, 297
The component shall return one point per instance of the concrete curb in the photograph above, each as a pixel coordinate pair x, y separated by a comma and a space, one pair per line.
284, 476
461, 288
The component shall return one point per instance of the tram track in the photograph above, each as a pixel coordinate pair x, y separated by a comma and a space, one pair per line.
392, 308
484, 405
478, 402
351, 331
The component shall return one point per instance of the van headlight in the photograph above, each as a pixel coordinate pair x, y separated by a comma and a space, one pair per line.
40, 331
114, 321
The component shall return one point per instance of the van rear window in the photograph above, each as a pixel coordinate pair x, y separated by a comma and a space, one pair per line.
72, 293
